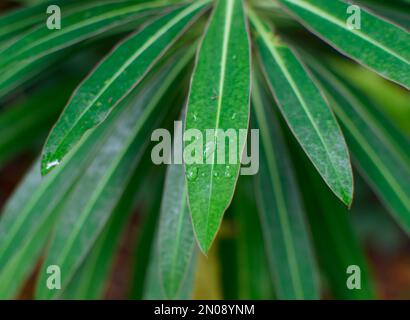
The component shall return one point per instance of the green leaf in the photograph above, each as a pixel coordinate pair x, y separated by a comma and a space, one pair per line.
113, 79
283, 223
176, 237
378, 44
76, 27
21, 73
91, 278
19, 20
218, 100
10, 80
382, 158
144, 251
24, 257
252, 262
306, 112
24, 123
35, 204
93, 199
336, 244
153, 289
393, 11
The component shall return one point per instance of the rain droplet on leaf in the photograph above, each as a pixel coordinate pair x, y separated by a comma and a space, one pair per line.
192, 174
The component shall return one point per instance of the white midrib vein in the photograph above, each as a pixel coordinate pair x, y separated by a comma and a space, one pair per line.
309, 115
343, 25
146, 45
227, 28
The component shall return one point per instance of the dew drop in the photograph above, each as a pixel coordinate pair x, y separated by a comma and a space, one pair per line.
192, 174
52, 164
209, 149
228, 173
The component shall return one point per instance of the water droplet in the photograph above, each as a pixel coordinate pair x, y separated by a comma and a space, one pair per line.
209, 149
233, 116
192, 174
52, 164
228, 173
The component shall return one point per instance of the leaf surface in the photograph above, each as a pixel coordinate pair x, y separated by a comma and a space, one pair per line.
93, 199
176, 237
113, 79
287, 243
380, 154
218, 101
377, 44
306, 112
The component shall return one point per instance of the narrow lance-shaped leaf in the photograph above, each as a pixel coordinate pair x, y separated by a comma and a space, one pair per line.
19, 20
59, 45
252, 261
145, 244
85, 214
153, 289
77, 26
18, 266
218, 102
336, 244
34, 203
372, 41
28, 217
113, 79
381, 158
26, 73
306, 112
91, 278
283, 223
176, 237
24, 124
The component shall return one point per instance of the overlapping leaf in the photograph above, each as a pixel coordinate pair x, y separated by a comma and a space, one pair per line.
78, 26
89, 207
306, 112
378, 44
23, 124
20, 20
283, 223
111, 81
28, 216
251, 262
335, 241
175, 235
381, 157
90, 280
219, 101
